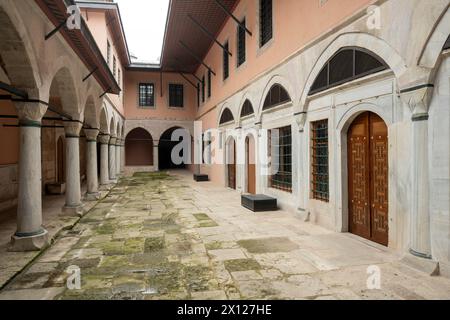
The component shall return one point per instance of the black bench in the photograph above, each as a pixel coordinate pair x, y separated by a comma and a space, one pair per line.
201, 177
259, 202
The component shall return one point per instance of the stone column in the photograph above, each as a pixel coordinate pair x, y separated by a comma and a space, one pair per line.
418, 101
30, 235
155, 158
118, 158
91, 165
122, 162
112, 159
73, 204
104, 162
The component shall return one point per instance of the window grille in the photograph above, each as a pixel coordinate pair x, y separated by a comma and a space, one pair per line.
108, 53
203, 89
241, 46
344, 66
176, 95
276, 96
247, 109
226, 62
209, 83
146, 95
265, 21
114, 66
320, 178
281, 159
227, 116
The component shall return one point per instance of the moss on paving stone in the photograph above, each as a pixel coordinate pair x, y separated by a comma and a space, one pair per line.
197, 278
207, 224
241, 265
153, 244
215, 245
92, 294
278, 244
106, 228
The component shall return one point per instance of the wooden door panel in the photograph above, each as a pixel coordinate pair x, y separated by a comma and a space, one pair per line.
368, 178
379, 179
359, 184
251, 169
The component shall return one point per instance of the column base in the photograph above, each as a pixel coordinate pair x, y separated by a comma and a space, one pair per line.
23, 243
73, 211
92, 196
426, 265
105, 187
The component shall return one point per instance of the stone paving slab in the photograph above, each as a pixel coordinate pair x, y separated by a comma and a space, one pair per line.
163, 236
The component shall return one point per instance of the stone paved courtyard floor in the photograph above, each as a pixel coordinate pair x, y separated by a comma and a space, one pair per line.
159, 236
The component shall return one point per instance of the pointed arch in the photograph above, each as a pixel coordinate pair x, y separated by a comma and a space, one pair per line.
63, 93
276, 96
226, 117
247, 109
352, 39
90, 113
104, 121
16, 58
345, 65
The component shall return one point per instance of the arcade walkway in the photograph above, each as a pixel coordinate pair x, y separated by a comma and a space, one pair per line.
159, 236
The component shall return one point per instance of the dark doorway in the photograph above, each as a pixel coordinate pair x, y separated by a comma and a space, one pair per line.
166, 146
139, 148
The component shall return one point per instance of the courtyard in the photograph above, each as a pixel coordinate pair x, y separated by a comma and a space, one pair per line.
163, 236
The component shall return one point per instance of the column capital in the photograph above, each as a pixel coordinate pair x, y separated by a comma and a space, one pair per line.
112, 141
30, 112
119, 142
104, 138
72, 129
418, 100
91, 134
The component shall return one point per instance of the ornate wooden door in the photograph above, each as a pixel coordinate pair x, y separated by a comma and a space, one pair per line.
368, 178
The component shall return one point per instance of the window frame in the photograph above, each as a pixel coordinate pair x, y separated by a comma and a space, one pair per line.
209, 83
226, 61
316, 194
354, 76
241, 32
171, 85
108, 52
263, 41
285, 186
153, 97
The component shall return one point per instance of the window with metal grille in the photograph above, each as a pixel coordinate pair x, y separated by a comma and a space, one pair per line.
209, 83
241, 46
227, 116
198, 95
277, 95
203, 89
108, 53
146, 95
226, 61
247, 109
114, 66
176, 95
319, 144
265, 21
280, 151
346, 65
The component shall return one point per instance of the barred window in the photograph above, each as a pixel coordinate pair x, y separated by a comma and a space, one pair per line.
226, 61
265, 21
241, 46
276, 96
209, 83
203, 89
346, 65
227, 116
198, 95
176, 95
146, 95
108, 53
114, 66
280, 150
319, 181
247, 109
